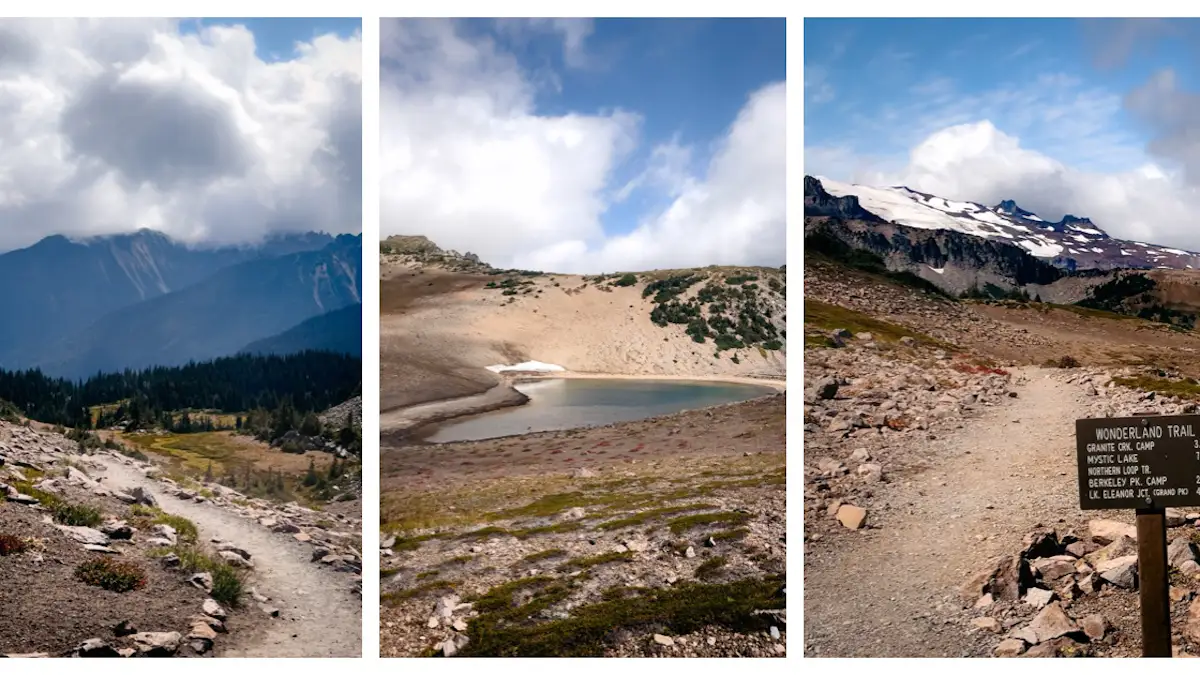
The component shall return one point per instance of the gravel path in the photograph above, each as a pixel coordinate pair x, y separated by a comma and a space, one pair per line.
319, 615
891, 590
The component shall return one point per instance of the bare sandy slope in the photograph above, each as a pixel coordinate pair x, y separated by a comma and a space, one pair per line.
319, 616
439, 330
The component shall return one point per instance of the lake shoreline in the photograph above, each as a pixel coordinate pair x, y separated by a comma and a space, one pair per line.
405, 424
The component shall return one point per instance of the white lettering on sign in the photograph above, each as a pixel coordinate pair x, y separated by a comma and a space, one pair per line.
1180, 431
1130, 433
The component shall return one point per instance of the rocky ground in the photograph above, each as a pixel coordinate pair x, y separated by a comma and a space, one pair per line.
940, 493
63, 507
661, 537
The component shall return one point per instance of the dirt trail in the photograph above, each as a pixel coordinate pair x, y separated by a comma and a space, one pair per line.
891, 590
319, 615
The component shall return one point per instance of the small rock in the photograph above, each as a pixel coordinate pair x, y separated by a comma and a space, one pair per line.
1009, 648
85, 535
1050, 623
157, 644
1080, 549
117, 529
234, 559
202, 580
1095, 626
1175, 517
270, 611
433, 622
664, 640
96, 548
143, 496
1120, 571
95, 648
851, 517
1039, 597
986, 623
213, 608
1179, 551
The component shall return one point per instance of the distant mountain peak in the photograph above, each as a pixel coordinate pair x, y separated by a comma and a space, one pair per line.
1073, 242
1072, 220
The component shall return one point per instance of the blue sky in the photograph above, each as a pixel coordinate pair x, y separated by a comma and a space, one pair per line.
686, 78
580, 144
1094, 117
880, 86
275, 38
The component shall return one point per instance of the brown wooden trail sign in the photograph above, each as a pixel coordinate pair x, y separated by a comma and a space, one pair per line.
1147, 463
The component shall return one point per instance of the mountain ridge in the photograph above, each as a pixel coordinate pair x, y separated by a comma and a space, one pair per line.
66, 285
1071, 243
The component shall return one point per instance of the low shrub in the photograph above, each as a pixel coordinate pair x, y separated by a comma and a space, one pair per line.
111, 575
1063, 362
79, 515
710, 568
11, 544
228, 581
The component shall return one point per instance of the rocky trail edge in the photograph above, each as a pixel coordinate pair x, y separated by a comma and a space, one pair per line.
319, 615
891, 588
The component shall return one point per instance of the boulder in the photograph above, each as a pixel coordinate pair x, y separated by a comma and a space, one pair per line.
85, 535
1058, 647
1080, 549
1119, 548
157, 644
1108, 531
142, 496
1120, 572
1041, 543
1005, 579
1176, 518
1053, 569
826, 388
234, 559
1010, 648
94, 648
1050, 623
202, 580
986, 623
213, 608
230, 547
872, 473
1039, 597
117, 529
1180, 551
1095, 626
1191, 628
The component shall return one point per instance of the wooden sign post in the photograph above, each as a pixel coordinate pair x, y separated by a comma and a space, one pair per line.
1147, 463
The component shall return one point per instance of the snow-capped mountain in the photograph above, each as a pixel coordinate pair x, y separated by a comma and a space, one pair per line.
1071, 243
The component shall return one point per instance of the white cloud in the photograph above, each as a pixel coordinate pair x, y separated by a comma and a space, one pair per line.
467, 160
978, 162
112, 125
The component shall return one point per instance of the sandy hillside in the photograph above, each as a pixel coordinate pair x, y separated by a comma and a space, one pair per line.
440, 328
